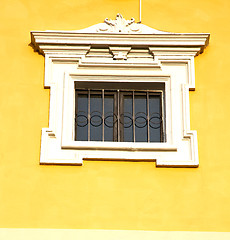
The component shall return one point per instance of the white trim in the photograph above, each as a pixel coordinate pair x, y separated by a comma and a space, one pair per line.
88, 234
118, 58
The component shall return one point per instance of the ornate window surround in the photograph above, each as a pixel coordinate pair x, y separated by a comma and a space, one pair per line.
120, 52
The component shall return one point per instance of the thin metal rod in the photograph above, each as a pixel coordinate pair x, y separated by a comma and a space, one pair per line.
140, 12
162, 127
76, 107
103, 115
89, 115
118, 116
133, 119
148, 133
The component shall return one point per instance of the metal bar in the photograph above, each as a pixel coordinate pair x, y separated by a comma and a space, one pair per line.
89, 115
118, 115
103, 114
148, 131
163, 133
76, 107
115, 126
140, 12
134, 138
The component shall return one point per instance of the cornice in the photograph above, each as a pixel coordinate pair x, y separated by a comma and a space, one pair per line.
118, 35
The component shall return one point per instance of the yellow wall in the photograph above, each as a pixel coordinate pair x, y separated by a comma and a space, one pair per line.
111, 195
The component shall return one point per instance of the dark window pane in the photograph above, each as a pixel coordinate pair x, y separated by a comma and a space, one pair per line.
140, 103
127, 119
96, 119
82, 117
155, 123
110, 117
102, 124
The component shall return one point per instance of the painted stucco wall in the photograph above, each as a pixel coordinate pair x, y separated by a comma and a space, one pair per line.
111, 195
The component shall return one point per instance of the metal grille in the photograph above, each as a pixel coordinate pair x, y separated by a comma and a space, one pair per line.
119, 115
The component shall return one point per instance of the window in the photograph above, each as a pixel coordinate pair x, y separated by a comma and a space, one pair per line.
119, 115
119, 90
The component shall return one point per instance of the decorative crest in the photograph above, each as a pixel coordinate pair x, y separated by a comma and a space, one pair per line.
119, 25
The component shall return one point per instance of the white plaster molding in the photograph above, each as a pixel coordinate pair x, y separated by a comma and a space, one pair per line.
48, 42
119, 53
99, 234
119, 58
122, 33
119, 25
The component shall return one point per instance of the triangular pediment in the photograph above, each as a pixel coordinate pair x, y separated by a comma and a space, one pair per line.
121, 25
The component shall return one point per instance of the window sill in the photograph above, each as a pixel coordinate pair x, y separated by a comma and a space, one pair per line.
123, 146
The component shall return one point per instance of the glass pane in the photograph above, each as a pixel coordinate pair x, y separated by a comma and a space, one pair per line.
96, 119
110, 117
140, 103
155, 123
127, 118
82, 117
127, 123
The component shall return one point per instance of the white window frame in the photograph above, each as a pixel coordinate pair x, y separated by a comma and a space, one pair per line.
171, 63
69, 104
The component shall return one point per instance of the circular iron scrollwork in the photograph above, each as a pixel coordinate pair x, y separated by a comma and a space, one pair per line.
155, 120
81, 119
126, 119
110, 119
96, 119
141, 120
